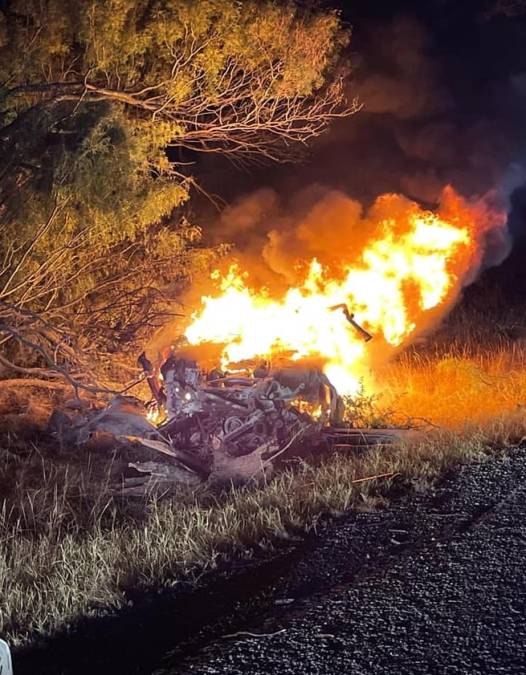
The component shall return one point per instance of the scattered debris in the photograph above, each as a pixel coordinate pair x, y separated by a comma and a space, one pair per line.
158, 478
217, 427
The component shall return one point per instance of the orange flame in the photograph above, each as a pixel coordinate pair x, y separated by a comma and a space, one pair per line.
411, 268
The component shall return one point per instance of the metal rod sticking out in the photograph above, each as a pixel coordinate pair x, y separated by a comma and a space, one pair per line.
350, 318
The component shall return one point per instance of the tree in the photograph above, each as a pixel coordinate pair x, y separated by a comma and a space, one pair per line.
97, 99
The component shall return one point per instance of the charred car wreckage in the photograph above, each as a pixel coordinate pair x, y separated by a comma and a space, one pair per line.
219, 426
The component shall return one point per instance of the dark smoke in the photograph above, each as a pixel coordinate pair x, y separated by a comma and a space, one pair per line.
444, 101
435, 113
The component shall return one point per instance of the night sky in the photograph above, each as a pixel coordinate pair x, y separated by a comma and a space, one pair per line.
444, 95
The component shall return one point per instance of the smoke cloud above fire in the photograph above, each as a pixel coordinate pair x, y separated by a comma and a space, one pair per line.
451, 113
396, 266
376, 218
275, 237
443, 102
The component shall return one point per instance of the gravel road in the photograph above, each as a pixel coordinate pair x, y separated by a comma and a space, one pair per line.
435, 583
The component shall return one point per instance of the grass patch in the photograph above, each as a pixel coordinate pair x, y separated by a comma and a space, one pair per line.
457, 387
67, 550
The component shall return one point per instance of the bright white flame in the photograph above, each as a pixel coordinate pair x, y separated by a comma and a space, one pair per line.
411, 267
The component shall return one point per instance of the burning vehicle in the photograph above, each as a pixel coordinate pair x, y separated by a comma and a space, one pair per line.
209, 414
230, 418
228, 426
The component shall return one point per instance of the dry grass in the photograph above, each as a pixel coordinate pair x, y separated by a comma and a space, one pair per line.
462, 385
88, 552
68, 550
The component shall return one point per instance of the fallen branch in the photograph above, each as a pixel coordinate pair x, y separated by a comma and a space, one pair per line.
4, 328
380, 475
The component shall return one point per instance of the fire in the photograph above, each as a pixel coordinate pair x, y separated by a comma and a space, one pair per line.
412, 265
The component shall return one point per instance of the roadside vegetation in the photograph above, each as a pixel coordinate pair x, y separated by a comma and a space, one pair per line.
69, 549
471, 371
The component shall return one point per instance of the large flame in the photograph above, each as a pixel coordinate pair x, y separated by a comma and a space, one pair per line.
396, 284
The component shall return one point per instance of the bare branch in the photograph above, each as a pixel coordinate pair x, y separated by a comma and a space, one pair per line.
251, 114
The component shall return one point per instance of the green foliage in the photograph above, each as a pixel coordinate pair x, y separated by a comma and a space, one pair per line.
92, 93
364, 411
135, 43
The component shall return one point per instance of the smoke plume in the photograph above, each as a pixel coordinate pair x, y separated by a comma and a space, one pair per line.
437, 111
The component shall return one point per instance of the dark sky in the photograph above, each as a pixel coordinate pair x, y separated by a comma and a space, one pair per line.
444, 95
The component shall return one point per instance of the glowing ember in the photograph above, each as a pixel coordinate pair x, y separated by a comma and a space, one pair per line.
412, 264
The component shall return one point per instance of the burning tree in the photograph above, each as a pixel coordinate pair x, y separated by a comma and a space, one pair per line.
99, 102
